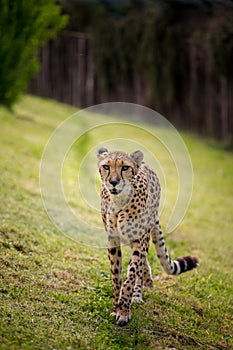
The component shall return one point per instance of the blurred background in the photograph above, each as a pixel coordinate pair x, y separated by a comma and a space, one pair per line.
174, 56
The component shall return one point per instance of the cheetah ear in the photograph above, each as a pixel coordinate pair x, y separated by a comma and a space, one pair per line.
137, 157
101, 153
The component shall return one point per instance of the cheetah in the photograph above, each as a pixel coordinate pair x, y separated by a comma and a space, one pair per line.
130, 197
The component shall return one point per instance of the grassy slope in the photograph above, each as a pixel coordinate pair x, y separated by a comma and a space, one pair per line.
56, 294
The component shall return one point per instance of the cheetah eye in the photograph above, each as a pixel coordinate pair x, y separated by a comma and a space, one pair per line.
106, 167
125, 167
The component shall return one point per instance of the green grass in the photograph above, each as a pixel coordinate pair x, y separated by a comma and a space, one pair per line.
56, 293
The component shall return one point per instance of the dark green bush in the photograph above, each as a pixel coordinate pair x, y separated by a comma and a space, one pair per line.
25, 25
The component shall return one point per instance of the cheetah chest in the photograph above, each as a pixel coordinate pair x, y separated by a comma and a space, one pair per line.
127, 221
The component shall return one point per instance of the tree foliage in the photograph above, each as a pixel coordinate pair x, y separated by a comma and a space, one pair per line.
149, 45
221, 42
150, 38
24, 26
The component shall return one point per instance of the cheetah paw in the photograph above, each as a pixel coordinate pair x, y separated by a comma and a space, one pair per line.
122, 320
149, 284
137, 299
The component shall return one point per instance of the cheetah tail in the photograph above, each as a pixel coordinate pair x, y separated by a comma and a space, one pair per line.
171, 267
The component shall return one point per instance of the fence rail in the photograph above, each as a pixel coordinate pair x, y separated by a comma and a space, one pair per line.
67, 74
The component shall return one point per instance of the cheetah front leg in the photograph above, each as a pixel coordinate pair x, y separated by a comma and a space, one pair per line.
123, 310
143, 278
147, 277
115, 258
137, 292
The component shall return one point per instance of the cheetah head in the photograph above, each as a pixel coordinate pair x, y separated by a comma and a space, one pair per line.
117, 169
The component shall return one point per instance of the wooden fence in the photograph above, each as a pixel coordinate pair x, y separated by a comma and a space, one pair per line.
67, 74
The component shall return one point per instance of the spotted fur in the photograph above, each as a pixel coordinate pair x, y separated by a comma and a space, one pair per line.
129, 203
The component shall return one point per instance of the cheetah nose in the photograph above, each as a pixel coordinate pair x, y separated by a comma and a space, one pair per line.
114, 182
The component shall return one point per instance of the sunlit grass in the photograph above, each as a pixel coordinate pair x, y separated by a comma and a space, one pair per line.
56, 293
